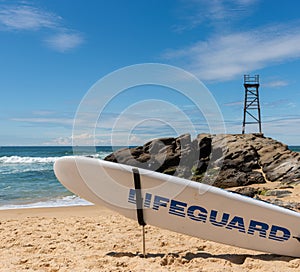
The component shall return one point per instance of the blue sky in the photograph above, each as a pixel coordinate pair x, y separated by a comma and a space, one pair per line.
52, 52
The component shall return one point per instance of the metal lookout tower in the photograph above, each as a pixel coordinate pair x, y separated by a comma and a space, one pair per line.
251, 104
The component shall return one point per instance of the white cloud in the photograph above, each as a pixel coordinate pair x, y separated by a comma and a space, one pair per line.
24, 17
234, 103
286, 128
216, 13
59, 141
45, 121
86, 139
282, 103
225, 56
276, 84
83, 139
27, 18
64, 41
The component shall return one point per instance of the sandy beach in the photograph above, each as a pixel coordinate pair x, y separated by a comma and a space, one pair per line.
91, 238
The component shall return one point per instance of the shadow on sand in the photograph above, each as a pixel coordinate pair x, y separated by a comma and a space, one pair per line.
233, 258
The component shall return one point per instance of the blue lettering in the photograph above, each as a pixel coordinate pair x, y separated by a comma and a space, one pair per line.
274, 235
131, 197
222, 223
216, 218
237, 223
177, 208
160, 201
201, 213
147, 202
258, 226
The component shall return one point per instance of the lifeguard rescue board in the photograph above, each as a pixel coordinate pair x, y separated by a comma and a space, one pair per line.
183, 206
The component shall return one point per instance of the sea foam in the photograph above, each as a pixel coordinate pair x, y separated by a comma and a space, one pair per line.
26, 160
66, 201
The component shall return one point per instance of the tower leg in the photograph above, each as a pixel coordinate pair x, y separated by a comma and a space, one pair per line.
245, 111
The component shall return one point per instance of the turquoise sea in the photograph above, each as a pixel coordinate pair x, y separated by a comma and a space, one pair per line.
27, 179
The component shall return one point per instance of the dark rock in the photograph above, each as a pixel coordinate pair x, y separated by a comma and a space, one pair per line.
202, 145
286, 187
221, 160
247, 191
278, 193
183, 141
232, 177
285, 204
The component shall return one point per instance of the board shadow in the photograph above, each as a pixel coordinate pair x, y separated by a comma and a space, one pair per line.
238, 259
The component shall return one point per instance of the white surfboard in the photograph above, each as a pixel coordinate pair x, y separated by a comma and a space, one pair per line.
182, 205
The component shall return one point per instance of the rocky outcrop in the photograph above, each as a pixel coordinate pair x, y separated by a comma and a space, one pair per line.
224, 161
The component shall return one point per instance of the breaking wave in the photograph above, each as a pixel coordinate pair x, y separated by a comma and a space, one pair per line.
26, 160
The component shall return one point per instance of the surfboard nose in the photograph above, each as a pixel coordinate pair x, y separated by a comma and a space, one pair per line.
68, 173
65, 171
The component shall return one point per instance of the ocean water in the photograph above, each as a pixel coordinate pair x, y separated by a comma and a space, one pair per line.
295, 148
27, 178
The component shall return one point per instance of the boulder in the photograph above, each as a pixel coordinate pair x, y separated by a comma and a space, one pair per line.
278, 193
223, 160
247, 191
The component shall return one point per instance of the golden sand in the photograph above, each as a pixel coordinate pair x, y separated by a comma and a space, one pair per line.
95, 239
